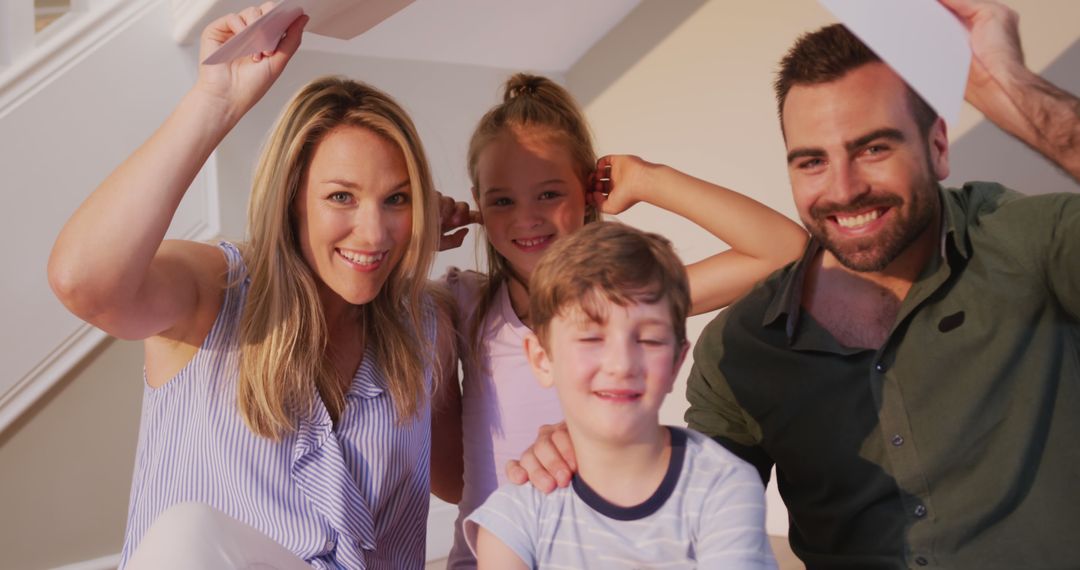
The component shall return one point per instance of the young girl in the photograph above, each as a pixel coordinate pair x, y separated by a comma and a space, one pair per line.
286, 416
532, 167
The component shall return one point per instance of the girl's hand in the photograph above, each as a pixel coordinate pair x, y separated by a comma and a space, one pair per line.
454, 214
240, 83
618, 183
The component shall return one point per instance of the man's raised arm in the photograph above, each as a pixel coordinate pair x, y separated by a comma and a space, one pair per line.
1014, 98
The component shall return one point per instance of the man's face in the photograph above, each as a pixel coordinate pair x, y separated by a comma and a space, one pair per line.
864, 178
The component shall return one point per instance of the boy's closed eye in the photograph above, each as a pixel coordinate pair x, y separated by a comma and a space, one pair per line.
587, 331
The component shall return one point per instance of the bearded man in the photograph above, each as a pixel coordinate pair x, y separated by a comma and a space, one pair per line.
915, 377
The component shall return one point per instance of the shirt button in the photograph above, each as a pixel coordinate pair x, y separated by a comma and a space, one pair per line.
897, 440
881, 367
329, 545
921, 561
920, 511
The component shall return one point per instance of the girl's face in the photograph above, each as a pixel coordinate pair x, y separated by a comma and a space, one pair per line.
354, 214
529, 194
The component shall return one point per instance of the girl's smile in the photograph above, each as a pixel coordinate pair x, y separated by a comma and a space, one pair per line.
529, 194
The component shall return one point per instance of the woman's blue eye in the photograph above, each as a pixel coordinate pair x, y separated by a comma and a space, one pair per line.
398, 199
340, 197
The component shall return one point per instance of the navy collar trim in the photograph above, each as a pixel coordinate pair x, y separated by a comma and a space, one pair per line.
653, 503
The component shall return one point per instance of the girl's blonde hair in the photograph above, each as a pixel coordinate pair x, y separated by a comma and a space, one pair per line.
529, 101
284, 364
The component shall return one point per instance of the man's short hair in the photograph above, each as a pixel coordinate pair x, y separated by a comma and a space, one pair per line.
608, 260
827, 55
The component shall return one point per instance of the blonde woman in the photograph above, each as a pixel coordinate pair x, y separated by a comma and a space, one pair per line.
287, 403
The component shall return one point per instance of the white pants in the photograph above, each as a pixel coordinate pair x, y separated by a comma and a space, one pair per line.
194, 535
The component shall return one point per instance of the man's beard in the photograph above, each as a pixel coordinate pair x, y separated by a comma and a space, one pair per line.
875, 253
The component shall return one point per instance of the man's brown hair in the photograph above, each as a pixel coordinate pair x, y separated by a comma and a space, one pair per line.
827, 55
612, 261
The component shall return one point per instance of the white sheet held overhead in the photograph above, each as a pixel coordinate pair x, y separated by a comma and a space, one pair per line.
920, 39
342, 19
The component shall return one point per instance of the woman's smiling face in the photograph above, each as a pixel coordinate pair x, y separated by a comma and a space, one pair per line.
354, 214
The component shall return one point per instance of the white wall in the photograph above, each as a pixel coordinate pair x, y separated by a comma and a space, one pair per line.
66, 461
689, 83
66, 464
75, 126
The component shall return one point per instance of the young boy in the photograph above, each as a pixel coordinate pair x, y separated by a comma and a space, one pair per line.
608, 307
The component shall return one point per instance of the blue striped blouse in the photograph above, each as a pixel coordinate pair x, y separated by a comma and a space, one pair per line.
351, 497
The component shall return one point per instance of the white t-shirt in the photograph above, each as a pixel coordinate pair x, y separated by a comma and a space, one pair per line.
502, 404
709, 512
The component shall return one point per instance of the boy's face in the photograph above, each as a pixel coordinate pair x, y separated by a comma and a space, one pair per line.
611, 376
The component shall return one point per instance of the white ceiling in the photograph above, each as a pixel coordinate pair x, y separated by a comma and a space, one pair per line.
537, 35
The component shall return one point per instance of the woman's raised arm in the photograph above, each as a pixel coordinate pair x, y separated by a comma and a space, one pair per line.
109, 265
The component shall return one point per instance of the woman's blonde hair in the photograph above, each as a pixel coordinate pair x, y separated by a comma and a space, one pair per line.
284, 364
529, 101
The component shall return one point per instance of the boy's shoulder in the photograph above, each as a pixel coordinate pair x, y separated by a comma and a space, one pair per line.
707, 459
714, 494
519, 516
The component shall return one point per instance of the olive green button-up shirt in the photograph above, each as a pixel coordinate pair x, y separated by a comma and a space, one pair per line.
954, 445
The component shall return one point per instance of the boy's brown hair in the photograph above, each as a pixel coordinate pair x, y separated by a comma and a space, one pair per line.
615, 262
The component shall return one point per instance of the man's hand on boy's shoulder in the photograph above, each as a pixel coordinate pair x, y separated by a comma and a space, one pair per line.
548, 463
